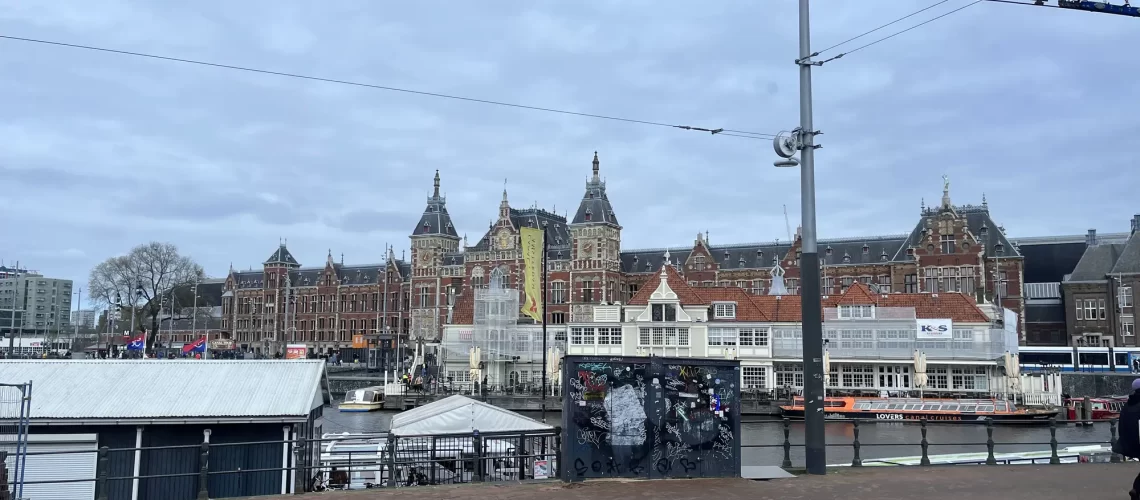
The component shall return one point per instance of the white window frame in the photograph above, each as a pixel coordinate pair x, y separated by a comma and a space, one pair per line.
856, 311
720, 336
1125, 296
1128, 327
724, 310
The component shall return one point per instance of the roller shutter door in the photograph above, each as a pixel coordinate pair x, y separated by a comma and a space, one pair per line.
61, 467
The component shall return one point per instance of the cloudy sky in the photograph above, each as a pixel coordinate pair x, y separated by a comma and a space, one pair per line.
99, 152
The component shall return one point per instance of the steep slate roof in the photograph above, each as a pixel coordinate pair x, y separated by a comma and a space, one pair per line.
282, 256
558, 248
977, 218
435, 220
595, 207
1097, 262
1129, 261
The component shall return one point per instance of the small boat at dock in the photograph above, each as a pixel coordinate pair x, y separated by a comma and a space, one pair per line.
842, 408
362, 400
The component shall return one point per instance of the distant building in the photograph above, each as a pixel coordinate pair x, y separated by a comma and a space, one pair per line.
1099, 294
11, 272
34, 305
84, 318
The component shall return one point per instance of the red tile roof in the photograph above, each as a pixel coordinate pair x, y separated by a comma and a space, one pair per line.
955, 306
685, 293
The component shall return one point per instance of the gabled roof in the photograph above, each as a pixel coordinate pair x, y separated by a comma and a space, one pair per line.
977, 217
685, 293
460, 414
169, 389
1097, 262
945, 305
1129, 261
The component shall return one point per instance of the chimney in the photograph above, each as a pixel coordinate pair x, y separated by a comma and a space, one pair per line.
1135, 223
1090, 239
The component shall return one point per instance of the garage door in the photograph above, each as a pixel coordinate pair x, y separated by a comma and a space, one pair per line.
61, 467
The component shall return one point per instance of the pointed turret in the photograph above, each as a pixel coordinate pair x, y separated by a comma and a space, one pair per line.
435, 220
595, 207
282, 257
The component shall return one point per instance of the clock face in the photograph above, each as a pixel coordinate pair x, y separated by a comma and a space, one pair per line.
505, 240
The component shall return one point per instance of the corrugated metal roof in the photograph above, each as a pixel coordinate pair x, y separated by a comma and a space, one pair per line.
130, 389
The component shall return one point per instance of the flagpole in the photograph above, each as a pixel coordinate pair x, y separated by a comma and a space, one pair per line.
544, 314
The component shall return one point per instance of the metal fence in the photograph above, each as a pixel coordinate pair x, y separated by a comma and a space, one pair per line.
345, 462
912, 439
15, 401
360, 461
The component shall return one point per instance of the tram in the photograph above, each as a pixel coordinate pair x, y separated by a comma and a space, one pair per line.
1079, 359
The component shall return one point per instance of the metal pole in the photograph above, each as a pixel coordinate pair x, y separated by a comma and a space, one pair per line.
544, 314
194, 314
815, 448
384, 308
135, 295
78, 306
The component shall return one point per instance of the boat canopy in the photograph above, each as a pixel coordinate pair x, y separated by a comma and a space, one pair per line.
460, 414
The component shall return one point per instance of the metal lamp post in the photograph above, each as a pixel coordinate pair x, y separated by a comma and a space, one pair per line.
134, 305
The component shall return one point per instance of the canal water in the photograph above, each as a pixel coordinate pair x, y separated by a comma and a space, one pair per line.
762, 440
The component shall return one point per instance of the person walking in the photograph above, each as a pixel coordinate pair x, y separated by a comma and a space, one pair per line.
1128, 444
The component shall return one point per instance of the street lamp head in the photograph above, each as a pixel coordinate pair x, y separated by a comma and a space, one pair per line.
118, 298
787, 162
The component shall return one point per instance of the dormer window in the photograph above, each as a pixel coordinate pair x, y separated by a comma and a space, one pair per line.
664, 312
724, 310
866, 249
589, 215
828, 251
759, 254
999, 248
846, 259
883, 256
856, 312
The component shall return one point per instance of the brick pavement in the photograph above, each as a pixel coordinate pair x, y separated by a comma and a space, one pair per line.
1058, 482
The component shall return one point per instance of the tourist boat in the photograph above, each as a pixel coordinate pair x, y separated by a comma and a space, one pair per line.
841, 408
366, 399
1102, 408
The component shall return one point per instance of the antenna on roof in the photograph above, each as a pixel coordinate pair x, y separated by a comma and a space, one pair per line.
787, 225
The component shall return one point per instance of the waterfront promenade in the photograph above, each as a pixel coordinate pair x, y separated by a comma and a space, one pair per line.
1056, 482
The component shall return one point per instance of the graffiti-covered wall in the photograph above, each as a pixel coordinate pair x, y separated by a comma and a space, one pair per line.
650, 417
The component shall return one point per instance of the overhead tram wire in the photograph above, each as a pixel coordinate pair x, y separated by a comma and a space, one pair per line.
897, 33
865, 33
714, 131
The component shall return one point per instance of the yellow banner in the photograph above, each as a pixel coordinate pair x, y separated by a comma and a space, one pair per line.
532, 272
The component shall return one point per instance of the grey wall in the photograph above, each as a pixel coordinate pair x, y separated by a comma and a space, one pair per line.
1079, 385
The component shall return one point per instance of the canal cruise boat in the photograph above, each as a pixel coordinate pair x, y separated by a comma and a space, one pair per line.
841, 408
1101, 408
363, 400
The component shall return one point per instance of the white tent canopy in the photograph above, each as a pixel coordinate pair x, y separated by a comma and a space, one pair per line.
460, 414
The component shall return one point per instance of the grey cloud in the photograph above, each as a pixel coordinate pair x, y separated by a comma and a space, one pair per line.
225, 162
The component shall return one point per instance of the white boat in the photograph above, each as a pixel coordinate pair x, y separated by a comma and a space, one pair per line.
1068, 455
366, 399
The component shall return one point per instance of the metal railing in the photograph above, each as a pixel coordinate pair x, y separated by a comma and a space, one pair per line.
1057, 451
333, 462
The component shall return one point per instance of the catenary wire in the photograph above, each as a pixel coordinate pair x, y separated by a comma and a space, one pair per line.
713, 131
897, 33
865, 33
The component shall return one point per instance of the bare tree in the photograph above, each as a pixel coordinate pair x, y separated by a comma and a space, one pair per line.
154, 269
